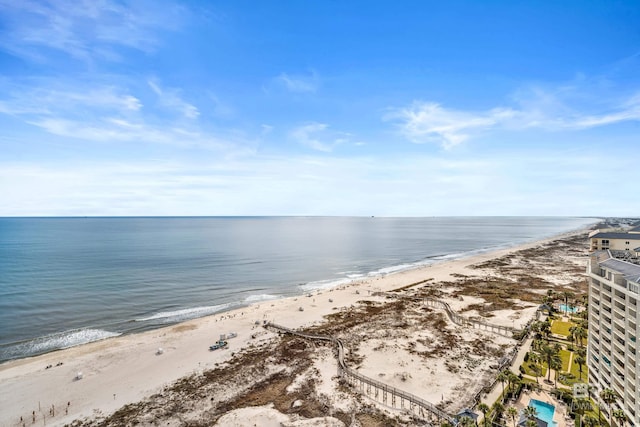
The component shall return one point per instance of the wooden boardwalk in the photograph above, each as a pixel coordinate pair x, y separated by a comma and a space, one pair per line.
385, 393
466, 321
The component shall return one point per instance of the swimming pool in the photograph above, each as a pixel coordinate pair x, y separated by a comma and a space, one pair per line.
545, 411
568, 308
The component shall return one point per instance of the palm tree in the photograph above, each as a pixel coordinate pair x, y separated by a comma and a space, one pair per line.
514, 382
484, 408
581, 405
620, 417
512, 413
581, 361
503, 377
608, 396
589, 421
579, 334
530, 412
545, 329
466, 422
497, 409
566, 295
599, 405
550, 355
537, 371
537, 344
556, 364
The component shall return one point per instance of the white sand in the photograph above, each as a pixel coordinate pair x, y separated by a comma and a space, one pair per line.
126, 369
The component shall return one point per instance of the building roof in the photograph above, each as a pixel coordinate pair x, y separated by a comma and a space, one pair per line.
523, 421
466, 412
630, 271
614, 235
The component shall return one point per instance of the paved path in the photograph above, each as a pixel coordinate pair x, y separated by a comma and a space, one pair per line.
496, 391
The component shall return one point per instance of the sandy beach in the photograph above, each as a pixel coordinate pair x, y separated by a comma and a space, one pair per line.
392, 339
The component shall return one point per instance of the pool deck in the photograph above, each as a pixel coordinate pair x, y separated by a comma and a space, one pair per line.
560, 416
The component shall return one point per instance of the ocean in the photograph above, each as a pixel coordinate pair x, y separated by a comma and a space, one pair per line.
69, 281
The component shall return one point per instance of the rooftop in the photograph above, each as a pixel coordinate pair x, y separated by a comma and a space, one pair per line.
629, 270
617, 235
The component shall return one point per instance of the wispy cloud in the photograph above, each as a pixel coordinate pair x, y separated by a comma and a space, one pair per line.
170, 98
28, 99
564, 108
429, 122
316, 136
104, 113
299, 83
84, 29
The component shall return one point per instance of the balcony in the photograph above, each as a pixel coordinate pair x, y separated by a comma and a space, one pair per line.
619, 347
619, 311
630, 399
619, 388
619, 366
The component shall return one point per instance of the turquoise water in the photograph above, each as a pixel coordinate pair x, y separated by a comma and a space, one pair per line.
568, 308
545, 411
69, 281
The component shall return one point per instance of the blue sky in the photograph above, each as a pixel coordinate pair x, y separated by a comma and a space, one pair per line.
410, 108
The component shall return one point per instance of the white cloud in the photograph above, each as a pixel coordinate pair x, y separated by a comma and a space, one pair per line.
106, 113
33, 99
299, 83
171, 99
315, 135
84, 29
423, 122
429, 122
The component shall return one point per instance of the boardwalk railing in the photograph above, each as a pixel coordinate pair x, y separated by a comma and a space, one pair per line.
416, 405
461, 320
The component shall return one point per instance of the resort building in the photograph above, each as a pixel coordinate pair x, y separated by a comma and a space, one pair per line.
628, 241
612, 352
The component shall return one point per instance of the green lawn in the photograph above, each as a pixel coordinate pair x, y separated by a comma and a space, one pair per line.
565, 355
561, 328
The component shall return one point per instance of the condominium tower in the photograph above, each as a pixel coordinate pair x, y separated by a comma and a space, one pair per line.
612, 353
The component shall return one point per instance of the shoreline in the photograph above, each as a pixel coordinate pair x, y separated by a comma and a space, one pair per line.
299, 291
127, 368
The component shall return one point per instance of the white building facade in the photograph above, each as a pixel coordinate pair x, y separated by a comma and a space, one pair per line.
613, 351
